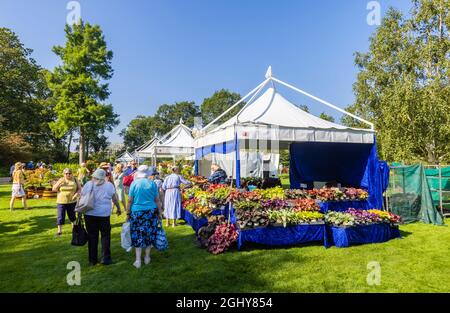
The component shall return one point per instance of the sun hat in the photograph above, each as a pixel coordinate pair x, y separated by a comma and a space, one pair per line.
104, 164
142, 172
152, 171
99, 174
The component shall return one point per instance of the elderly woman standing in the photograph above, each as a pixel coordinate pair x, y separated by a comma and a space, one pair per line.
98, 219
144, 213
172, 198
18, 178
68, 188
118, 175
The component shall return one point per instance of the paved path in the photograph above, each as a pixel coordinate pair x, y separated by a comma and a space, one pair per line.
4, 180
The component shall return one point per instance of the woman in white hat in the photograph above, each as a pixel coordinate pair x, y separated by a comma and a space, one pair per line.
144, 213
98, 219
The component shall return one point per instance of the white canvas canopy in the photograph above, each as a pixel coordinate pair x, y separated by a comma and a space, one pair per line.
125, 157
273, 117
176, 143
268, 123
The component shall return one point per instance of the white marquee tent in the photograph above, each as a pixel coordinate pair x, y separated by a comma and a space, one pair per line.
126, 157
266, 124
178, 143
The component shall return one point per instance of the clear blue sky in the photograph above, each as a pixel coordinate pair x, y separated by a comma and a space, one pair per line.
167, 51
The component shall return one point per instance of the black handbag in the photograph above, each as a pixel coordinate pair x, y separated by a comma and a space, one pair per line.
79, 233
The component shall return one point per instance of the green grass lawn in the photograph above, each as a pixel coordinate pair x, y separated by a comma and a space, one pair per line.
33, 260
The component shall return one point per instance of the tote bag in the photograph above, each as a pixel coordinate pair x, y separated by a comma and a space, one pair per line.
79, 233
86, 201
127, 180
125, 237
161, 242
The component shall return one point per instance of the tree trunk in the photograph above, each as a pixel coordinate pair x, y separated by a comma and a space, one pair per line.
69, 144
81, 145
87, 148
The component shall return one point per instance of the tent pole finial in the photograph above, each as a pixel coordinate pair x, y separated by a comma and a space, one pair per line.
269, 72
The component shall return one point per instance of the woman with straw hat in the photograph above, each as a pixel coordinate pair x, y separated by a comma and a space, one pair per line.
18, 177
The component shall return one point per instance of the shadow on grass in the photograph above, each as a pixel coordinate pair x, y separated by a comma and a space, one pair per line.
36, 225
5, 194
184, 268
404, 233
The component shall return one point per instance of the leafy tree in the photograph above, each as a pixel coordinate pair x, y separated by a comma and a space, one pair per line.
78, 84
140, 130
143, 128
169, 115
403, 83
326, 117
25, 108
218, 103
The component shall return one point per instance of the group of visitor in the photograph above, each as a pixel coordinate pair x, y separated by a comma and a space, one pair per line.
149, 199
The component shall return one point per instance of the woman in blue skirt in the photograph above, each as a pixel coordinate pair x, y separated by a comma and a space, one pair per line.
172, 197
144, 213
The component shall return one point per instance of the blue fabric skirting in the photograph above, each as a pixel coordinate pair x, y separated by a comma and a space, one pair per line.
281, 236
341, 206
345, 237
196, 223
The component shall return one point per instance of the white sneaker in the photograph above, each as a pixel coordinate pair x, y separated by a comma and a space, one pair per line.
147, 260
137, 264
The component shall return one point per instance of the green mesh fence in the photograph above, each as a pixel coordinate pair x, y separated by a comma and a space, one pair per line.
410, 195
433, 178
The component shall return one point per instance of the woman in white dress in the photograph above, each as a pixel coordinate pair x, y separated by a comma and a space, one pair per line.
172, 197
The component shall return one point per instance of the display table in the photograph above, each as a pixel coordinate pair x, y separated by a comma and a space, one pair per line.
343, 237
341, 206
283, 236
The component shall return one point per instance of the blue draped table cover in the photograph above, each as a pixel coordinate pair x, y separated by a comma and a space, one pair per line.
198, 222
343, 237
340, 206
282, 236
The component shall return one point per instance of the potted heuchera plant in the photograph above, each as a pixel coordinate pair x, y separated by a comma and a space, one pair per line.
222, 239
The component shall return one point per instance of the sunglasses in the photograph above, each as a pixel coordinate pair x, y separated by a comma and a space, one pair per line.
67, 173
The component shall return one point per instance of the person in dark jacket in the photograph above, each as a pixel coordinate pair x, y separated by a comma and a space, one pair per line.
218, 175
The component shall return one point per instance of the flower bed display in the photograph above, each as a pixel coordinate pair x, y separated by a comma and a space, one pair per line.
336, 194
289, 217
359, 227
282, 217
